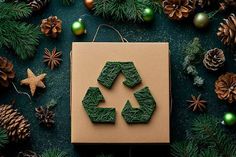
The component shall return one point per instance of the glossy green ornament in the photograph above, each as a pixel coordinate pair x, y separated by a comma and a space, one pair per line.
148, 14
78, 27
201, 20
229, 118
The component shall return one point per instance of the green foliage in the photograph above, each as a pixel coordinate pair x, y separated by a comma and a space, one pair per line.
184, 149
67, 2
54, 153
14, 11
123, 10
19, 36
205, 139
193, 54
3, 138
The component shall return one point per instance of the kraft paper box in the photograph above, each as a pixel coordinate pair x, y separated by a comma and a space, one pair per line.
152, 63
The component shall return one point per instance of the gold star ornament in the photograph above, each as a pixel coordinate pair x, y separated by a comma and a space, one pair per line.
33, 81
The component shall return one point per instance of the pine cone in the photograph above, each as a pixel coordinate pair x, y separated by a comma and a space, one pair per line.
227, 30
214, 59
37, 5
225, 87
14, 123
45, 116
230, 3
27, 153
7, 73
51, 26
178, 9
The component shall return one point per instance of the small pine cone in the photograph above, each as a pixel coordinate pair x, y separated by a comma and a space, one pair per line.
227, 30
37, 5
214, 59
52, 26
45, 116
178, 9
225, 87
229, 3
14, 123
27, 153
7, 73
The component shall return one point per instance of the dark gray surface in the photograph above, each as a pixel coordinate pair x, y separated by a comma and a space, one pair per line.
57, 81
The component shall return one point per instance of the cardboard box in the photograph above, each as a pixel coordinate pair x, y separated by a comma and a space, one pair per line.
152, 63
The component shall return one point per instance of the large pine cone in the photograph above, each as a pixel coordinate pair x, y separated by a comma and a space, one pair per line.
214, 59
37, 5
227, 30
178, 9
14, 123
225, 87
7, 73
52, 26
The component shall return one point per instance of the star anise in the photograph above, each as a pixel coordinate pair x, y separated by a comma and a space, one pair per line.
53, 59
197, 103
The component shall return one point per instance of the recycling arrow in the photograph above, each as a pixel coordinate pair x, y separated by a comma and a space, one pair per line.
112, 69
142, 114
107, 77
97, 115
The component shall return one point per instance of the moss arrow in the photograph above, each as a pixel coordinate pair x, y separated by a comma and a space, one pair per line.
112, 69
97, 115
142, 114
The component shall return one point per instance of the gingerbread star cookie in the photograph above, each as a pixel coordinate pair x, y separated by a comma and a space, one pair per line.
33, 81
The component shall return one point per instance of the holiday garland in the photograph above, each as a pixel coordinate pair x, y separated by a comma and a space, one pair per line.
19, 36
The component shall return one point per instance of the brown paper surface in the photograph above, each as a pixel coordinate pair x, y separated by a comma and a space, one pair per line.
152, 63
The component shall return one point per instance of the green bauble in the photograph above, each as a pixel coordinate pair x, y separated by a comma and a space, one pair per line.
201, 20
148, 14
78, 27
229, 118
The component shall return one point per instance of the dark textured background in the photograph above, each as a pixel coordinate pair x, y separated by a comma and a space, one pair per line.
57, 81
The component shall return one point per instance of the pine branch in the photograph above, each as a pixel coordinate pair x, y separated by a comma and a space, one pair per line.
54, 153
123, 10
14, 11
184, 149
207, 129
21, 37
3, 138
209, 153
208, 137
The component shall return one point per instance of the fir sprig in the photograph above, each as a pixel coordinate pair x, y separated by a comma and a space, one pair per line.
194, 53
3, 138
19, 36
54, 153
206, 138
14, 11
123, 10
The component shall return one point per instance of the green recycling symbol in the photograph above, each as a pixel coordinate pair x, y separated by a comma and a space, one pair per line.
107, 77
